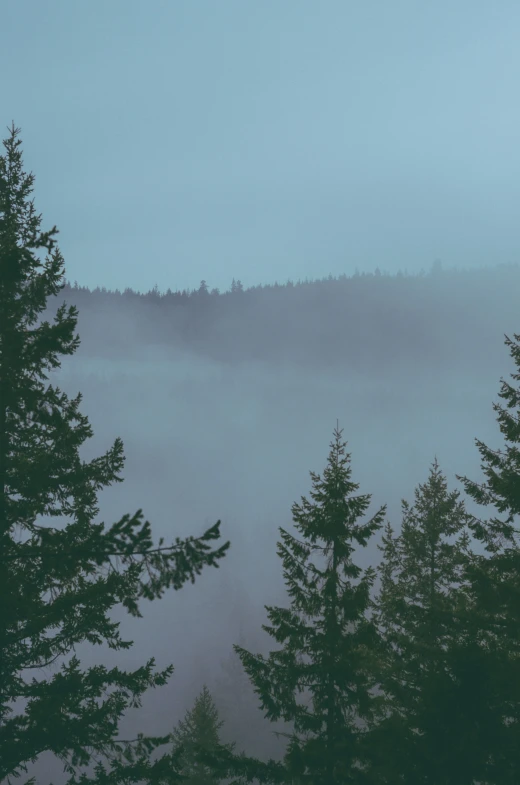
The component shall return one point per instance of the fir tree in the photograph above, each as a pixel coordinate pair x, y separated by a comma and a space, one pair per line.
58, 584
493, 626
236, 286
426, 731
330, 646
199, 731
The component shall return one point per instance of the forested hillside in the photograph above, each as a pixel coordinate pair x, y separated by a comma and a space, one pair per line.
371, 323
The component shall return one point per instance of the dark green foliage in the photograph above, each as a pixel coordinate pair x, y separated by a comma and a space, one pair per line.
494, 624
199, 731
425, 737
58, 584
330, 647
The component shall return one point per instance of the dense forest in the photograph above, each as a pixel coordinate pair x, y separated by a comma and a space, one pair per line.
400, 671
371, 321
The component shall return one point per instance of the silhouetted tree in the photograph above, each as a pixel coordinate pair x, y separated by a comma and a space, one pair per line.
330, 646
493, 626
58, 584
426, 735
199, 731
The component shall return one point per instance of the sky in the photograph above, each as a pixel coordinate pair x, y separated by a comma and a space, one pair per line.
183, 140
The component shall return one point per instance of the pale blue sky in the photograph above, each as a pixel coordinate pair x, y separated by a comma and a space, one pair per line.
267, 139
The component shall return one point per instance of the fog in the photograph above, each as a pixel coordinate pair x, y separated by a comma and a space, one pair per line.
235, 438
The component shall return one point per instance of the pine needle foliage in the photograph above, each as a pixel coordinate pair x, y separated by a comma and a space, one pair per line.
58, 584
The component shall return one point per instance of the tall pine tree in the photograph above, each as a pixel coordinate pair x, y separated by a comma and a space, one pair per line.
493, 626
58, 584
330, 645
424, 738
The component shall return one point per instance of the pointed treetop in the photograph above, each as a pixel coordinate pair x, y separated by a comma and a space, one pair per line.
336, 509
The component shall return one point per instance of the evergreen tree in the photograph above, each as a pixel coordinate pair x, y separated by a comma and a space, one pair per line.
58, 584
199, 731
425, 736
330, 646
493, 626
236, 286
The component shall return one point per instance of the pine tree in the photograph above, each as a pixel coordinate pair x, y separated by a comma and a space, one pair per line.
330, 646
494, 623
199, 731
58, 584
425, 736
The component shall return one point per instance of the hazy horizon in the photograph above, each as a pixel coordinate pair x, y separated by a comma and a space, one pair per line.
174, 142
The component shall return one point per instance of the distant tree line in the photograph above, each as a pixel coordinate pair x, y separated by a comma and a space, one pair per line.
372, 324
183, 296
